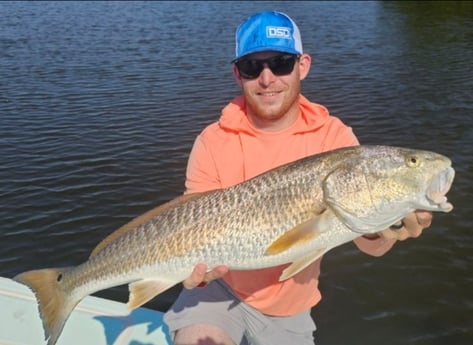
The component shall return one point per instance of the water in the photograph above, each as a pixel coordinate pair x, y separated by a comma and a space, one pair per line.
100, 103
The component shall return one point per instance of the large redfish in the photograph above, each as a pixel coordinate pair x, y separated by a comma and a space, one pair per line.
291, 214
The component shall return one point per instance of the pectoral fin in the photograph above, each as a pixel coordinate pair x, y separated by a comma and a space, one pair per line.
143, 291
298, 235
302, 263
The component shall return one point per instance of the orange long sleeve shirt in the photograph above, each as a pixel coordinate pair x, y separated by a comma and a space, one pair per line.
230, 151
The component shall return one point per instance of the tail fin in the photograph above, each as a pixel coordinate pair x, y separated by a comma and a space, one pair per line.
54, 301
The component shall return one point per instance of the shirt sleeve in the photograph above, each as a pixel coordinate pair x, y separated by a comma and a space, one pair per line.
344, 138
201, 173
337, 135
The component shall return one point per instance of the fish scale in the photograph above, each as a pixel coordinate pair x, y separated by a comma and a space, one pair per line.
292, 214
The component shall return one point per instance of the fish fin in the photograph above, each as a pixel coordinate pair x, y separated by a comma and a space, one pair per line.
300, 234
302, 263
144, 290
54, 303
142, 219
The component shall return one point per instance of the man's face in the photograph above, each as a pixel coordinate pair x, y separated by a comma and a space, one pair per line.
270, 97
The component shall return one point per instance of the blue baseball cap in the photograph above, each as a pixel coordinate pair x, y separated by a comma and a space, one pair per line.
265, 31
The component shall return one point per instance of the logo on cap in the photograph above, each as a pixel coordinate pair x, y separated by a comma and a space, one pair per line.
278, 32
267, 31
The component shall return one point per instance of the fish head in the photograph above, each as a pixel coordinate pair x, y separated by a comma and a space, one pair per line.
380, 185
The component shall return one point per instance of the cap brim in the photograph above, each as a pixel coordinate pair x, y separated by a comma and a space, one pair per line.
267, 49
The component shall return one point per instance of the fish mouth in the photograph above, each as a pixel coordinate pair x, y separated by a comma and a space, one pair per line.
438, 187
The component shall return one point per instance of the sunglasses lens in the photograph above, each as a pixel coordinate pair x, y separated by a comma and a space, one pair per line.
279, 65
282, 65
249, 68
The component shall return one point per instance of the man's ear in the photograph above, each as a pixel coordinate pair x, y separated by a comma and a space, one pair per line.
236, 74
305, 61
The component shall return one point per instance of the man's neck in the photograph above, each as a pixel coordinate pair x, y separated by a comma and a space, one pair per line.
273, 124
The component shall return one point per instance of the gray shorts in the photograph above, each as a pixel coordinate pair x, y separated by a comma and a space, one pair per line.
217, 305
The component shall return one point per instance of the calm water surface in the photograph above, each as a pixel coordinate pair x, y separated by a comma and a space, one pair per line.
100, 103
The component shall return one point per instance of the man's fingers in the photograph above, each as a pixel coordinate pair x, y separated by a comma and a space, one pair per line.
411, 226
399, 234
197, 276
200, 276
216, 273
424, 218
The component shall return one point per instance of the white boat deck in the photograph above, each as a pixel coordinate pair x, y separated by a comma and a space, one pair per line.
94, 321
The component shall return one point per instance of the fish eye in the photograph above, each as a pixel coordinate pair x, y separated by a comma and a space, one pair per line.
412, 161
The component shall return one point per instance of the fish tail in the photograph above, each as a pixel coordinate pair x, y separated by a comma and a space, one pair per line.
55, 303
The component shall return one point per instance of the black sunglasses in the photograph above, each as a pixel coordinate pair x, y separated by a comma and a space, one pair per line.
279, 65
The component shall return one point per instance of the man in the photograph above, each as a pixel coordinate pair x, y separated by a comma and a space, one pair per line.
270, 124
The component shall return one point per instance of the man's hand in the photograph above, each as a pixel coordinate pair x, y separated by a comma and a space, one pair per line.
412, 226
200, 276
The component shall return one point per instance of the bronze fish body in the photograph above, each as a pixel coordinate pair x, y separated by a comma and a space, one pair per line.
291, 214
